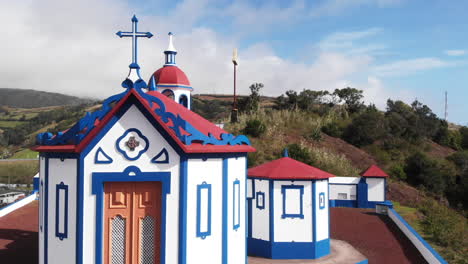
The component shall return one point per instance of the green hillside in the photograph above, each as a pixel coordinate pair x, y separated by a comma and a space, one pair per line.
25, 98
426, 157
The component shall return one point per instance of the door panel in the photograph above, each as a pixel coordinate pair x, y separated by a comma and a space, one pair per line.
133, 222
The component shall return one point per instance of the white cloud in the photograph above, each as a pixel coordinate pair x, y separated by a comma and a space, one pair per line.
455, 52
336, 7
410, 66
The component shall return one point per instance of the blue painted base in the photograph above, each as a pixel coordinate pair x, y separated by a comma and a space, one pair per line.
343, 203
288, 250
353, 204
36, 184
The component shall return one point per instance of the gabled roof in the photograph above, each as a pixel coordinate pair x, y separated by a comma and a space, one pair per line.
374, 171
288, 169
191, 132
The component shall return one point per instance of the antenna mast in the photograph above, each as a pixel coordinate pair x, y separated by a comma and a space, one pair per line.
234, 104
446, 105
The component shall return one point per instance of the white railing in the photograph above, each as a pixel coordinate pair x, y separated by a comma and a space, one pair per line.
12, 207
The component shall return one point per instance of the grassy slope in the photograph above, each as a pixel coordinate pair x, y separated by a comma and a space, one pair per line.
338, 157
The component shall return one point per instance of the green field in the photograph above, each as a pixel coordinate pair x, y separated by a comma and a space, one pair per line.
18, 171
25, 154
10, 124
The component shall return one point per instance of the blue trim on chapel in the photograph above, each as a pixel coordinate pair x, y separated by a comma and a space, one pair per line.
83, 127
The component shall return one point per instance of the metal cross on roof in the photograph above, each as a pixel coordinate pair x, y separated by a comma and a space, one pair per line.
134, 34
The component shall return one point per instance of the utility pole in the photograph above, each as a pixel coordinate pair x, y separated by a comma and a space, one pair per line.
446, 105
234, 104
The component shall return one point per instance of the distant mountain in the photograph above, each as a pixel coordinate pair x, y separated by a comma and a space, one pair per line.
25, 98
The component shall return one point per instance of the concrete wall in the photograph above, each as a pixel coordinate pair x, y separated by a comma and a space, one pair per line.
261, 217
290, 229
236, 210
208, 249
322, 210
376, 189
61, 170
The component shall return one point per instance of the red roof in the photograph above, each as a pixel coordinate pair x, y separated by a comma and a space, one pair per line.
199, 123
288, 169
170, 75
374, 171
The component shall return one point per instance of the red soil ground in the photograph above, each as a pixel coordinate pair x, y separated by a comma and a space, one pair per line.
375, 236
18, 235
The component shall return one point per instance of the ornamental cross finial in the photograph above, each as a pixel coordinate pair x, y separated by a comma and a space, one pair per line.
134, 34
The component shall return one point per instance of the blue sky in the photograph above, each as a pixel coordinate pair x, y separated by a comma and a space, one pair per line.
397, 49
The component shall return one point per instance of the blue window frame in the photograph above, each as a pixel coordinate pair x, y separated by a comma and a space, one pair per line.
260, 200
61, 211
203, 210
293, 204
322, 200
236, 204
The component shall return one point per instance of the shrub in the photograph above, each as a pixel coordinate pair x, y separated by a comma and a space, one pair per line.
300, 153
397, 172
366, 128
333, 129
254, 128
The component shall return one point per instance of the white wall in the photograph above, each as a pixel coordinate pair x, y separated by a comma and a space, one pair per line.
133, 118
376, 189
250, 193
236, 238
345, 180
208, 250
60, 251
335, 189
322, 214
293, 229
261, 218
41, 207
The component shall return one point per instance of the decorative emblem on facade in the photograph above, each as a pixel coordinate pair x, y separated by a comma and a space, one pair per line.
132, 143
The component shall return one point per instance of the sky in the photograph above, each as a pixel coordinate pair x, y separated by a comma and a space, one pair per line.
398, 49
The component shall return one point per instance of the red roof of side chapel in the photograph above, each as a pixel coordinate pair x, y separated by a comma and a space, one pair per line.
374, 171
288, 169
199, 123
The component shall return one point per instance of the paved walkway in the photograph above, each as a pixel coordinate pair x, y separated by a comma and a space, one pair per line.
341, 253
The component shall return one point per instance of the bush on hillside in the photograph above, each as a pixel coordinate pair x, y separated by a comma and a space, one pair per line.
464, 137
334, 129
433, 175
397, 172
254, 128
300, 153
366, 128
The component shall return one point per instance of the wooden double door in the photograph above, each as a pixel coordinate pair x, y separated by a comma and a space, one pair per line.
132, 222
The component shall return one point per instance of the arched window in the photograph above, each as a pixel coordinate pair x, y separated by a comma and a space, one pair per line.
169, 93
183, 100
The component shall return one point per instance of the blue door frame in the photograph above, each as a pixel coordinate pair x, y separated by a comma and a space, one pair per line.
130, 174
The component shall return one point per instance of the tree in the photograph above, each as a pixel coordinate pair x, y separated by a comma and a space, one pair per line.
352, 97
251, 103
366, 128
464, 137
434, 175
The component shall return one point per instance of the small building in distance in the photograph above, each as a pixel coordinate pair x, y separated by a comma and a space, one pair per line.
288, 210
359, 192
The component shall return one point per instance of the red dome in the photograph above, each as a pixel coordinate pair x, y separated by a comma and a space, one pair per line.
170, 75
